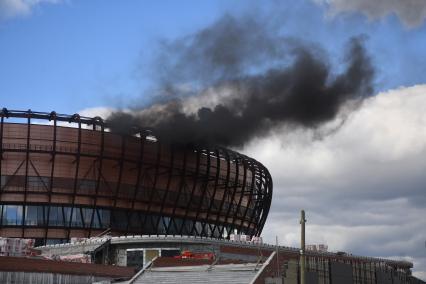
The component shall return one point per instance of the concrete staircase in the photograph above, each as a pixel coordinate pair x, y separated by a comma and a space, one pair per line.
220, 274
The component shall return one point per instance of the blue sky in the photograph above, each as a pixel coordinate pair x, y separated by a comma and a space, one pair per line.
78, 54
86, 53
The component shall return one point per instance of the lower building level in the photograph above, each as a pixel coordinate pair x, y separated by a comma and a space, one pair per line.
277, 263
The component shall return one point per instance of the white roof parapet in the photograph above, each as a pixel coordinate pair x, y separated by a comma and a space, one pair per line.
189, 239
202, 268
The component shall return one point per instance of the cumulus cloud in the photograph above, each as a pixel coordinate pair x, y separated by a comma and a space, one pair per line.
14, 8
96, 111
102, 112
411, 12
363, 187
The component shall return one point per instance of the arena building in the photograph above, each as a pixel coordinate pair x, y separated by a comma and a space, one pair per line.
131, 202
65, 176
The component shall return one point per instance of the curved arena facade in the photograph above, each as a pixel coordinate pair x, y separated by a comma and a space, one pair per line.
65, 176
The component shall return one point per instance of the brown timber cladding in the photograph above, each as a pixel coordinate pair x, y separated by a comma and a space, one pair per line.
59, 182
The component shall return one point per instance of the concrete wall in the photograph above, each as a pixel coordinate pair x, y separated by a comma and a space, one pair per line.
383, 277
341, 273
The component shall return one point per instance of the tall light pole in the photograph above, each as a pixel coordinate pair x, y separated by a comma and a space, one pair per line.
302, 247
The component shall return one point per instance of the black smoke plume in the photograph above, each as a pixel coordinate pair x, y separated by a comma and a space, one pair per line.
269, 80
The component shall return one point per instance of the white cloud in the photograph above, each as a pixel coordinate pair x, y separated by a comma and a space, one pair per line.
15, 8
364, 187
411, 12
102, 112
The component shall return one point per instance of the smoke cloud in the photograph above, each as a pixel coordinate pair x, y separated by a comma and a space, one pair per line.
247, 79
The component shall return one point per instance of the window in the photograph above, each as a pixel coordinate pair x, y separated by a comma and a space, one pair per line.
135, 221
34, 216
87, 186
105, 217
12, 215
87, 216
96, 220
76, 218
4, 180
119, 220
56, 216
38, 183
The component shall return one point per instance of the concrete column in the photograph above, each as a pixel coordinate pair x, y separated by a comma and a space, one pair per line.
302, 247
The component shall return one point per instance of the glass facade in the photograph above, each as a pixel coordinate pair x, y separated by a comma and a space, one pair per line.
101, 218
35, 216
59, 216
11, 215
